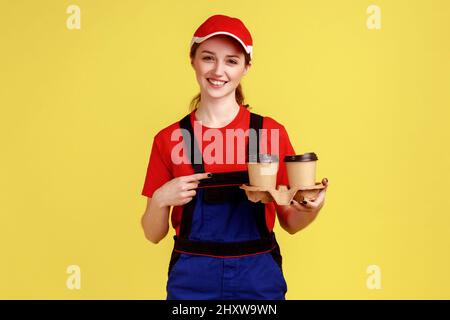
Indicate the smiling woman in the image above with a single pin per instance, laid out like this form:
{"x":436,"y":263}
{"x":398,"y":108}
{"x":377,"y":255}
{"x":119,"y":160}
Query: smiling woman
{"x":225,"y":247}
{"x":238,"y":58}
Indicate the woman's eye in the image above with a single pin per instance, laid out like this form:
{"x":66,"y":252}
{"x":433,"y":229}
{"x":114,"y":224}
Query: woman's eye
{"x":210,"y":58}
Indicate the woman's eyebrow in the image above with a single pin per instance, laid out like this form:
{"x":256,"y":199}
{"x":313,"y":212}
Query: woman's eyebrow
{"x":206,"y":51}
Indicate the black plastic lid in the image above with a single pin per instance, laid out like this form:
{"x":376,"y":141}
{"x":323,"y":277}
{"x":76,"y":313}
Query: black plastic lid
{"x":264,"y":158}
{"x":309,"y":156}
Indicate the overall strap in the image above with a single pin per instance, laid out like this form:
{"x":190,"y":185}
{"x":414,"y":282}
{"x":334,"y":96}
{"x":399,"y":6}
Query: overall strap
{"x":193,"y":152}
{"x":256,"y":123}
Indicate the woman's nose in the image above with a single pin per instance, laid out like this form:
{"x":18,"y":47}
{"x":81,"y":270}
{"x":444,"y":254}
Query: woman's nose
{"x":218,"y":69}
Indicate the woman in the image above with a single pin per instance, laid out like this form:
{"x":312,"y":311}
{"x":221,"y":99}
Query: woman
{"x":224,"y":247}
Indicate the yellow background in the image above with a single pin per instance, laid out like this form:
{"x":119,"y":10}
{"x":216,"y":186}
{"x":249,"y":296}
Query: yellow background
{"x":79,"y":109}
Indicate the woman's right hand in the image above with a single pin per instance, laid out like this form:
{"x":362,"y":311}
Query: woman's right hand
{"x":179,"y":190}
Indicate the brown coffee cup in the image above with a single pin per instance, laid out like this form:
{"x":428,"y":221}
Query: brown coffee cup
{"x":262,"y":171}
{"x":301,"y":169}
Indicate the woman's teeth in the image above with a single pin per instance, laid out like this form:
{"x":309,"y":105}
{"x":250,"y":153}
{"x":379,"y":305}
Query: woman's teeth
{"x":216,"y":83}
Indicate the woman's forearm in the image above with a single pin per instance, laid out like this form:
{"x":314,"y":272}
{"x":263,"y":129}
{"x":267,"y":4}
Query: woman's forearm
{"x":155,"y":220}
{"x":295,"y":221}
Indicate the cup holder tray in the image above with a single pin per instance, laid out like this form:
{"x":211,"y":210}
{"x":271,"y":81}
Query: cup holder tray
{"x":281,"y":195}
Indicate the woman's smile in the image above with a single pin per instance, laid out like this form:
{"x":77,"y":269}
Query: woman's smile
{"x":216,"y":83}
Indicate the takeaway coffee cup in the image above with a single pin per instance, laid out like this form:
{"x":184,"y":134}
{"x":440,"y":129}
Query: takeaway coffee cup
{"x":262,"y":172}
{"x":301,"y":169}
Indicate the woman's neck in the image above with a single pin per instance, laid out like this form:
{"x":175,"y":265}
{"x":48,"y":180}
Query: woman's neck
{"x":216,"y":115}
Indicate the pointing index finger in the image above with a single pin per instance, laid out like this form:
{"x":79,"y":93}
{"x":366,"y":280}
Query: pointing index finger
{"x":198,"y":176}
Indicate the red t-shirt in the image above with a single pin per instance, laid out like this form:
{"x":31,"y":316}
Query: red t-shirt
{"x":161,"y":168}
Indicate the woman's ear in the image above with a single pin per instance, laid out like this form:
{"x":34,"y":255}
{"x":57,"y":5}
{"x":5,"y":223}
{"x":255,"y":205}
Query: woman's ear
{"x":247,"y":67}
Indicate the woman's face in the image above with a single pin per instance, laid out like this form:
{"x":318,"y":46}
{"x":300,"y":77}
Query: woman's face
{"x":219,"y":58}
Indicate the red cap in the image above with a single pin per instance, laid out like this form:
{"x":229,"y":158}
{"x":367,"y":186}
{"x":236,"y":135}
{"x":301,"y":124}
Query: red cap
{"x":221,"y":24}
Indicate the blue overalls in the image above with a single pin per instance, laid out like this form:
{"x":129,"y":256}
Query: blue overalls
{"x":224,"y":249}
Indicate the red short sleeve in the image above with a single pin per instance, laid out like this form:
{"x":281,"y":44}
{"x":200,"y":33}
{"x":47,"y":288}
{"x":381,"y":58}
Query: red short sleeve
{"x":158,"y":170}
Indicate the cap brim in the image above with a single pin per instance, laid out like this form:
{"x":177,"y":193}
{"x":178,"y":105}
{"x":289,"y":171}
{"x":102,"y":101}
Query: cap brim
{"x":248,"y":49}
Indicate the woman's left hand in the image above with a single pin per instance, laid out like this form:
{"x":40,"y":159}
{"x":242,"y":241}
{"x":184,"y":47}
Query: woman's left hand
{"x":314,"y":205}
